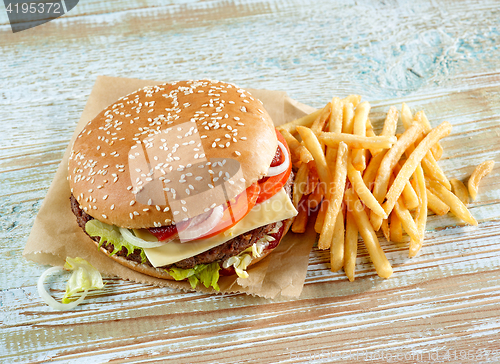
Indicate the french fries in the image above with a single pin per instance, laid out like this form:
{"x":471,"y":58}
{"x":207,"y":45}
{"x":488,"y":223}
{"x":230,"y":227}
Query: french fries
{"x":459,"y":189}
{"x":387,"y":165}
{"x":334,"y":195}
{"x":421,"y":212}
{"x":359,"y":182}
{"x":436,"y":205}
{"x":456,"y":206}
{"x":479,"y":172}
{"x":382,"y":265}
{"x":362,"y":191}
{"x":412,"y":162}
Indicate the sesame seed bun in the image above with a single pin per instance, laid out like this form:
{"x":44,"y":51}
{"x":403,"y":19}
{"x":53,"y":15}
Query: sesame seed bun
{"x":160,"y":154}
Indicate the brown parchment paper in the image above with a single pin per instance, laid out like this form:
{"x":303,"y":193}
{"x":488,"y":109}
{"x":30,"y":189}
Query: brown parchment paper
{"x":55,"y":234}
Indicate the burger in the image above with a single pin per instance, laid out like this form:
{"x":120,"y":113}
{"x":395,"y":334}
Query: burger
{"x":185,"y":180}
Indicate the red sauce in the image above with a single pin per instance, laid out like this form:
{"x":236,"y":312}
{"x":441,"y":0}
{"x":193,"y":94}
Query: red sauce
{"x":278,"y":158}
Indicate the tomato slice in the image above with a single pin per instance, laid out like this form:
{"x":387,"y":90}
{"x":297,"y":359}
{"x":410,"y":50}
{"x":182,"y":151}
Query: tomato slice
{"x":269,"y":186}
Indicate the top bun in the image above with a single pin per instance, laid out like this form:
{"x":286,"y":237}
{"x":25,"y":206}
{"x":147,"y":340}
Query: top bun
{"x":169,"y":152}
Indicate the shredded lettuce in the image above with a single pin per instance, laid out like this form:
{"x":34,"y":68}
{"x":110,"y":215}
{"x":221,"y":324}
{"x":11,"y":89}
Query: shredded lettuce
{"x":207,"y":274}
{"x":84,"y":277}
{"x":111,"y":234}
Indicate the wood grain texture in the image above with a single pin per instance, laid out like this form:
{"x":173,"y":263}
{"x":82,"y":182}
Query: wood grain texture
{"x":440,"y":56}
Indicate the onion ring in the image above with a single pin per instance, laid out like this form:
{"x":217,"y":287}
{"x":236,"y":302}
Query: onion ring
{"x":49,"y":299}
{"x":197,"y":229}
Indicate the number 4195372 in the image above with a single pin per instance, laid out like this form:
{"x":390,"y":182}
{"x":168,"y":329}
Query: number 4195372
{"x":32,"y":8}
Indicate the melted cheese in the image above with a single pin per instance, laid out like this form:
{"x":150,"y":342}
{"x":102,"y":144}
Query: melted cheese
{"x":277,"y":208}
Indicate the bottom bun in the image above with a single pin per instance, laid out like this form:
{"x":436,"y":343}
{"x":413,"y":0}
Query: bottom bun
{"x":162,"y":272}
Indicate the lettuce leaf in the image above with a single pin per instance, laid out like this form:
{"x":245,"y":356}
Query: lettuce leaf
{"x":207,"y":274}
{"x":84,"y":277}
{"x":111,"y":234}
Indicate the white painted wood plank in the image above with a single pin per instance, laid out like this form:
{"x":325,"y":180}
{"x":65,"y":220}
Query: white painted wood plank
{"x":441,"y":56}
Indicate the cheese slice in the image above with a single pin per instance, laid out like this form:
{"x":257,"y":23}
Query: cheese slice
{"x":277,"y":208}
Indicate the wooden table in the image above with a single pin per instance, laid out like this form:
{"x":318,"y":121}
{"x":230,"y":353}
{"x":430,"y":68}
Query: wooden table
{"x":438,"y":55}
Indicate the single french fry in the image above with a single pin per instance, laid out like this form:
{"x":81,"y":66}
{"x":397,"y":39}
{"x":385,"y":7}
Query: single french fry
{"x":314,"y":146}
{"x":479,"y":172}
{"x":306,"y":121}
{"x":300,"y":222}
{"x":456,"y":206}
{"x":420,"y":213}
{"x":370,"y":172}
{"x":336,"y":116}
{"x":436,"y":205}
{"x":348,"y":118}
{"x":382,"y":265}
{"x":320,"y":217}
{"x":357,"y":141}
{"x":412,"y":162}
{"x":319,"y":123}
{"x":406,"y":116}
{"x":312,"y":178}
{"x":433,"y":171}
{"x":362,"y":191}
{"x":334,"y":196}
{"x":437,"y":149}
{"x":334,"y":126}
{"x":359,"y":128}
{"x":390,"y":126}
{"x":390,"y":122}
{"x":351,"y":246}
{"x":300,"y":184}
{"x":390,"y":160}
{"x":459,"y":189}
{"x":406,"y":220}
{"x":337,"y":245}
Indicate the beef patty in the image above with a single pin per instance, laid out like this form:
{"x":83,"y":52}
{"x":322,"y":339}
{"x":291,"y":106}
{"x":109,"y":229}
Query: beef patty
{"x":221,"y":252}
